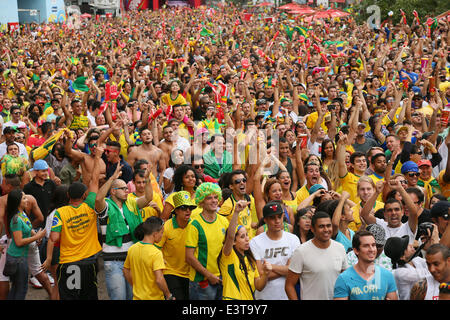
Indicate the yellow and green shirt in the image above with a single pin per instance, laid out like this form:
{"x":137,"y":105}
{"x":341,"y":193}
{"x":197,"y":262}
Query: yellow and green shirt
{"x":207,"y":239}
{"x":235,"y":285}
{"x":78,"y":229}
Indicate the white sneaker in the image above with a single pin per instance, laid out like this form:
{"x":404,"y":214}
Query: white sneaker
{"x":35,"y":283}
{"x":52,"y":281}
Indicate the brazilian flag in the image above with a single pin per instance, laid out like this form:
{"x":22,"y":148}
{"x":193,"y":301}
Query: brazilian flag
{"x":42,"y":151}
{"x":79,"y":85}
{"x":206,"y":33}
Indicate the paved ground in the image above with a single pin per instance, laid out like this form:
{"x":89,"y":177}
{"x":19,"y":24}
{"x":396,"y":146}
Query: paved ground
{"x":41,"y":294}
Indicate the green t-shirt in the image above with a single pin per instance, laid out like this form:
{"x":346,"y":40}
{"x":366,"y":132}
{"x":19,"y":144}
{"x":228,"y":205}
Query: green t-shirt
{"x":19,"y":222}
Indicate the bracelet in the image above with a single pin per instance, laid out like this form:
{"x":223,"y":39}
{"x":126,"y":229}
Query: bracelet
{"x":170,"y":297}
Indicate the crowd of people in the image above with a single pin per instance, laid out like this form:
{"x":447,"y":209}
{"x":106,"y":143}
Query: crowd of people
{"x":200,"y":154}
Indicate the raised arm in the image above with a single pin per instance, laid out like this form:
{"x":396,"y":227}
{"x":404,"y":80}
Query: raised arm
{"x":100,"y":202}
{"x":365,"y":212}
{"x":148,"y":196}
{"x":231,"y":231}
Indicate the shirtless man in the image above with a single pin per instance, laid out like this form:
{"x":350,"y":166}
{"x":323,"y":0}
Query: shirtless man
{"x":36,"y":217}
{"x":154,"y":155}
{"x":86,"y":160}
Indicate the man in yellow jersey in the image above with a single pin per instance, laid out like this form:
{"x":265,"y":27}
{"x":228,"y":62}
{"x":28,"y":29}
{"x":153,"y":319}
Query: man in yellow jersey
{"x":349,"y":180}
{"x":204,"y":240}
{"x":247,"y":217}
{"x":75,"y":228}
{"x":155,"y":207}
{"x":312,"y":177}
{"x":379,"y":167}
{"x":172,"y":246}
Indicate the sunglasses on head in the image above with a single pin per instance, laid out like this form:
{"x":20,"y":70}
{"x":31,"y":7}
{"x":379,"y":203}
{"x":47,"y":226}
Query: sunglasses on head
{"x":237,"y":181}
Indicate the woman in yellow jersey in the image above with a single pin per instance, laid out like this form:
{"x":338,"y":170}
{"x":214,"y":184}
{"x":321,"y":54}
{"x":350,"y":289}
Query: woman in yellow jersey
{"x":143,"y":267}
{"x":185,"y":179}
{"x":173,"y":97}
{"x":240,"y":275}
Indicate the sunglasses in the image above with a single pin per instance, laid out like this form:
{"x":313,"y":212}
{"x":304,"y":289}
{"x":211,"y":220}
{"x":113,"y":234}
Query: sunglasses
{"x":237,"y":181}
{"x":418,"y":152}
{"x":121,"y":188}
{"x":91,"y":145}
{"x":199,"y":166}
{"x":404,"y":182}
{"x":413,"y":174}
{"x":184,"y":207}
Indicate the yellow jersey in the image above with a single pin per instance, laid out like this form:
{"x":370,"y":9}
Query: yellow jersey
{"x":173,"y":249}
{"x":207,"y":239}
{"x":349,"y":183}
{"x":302,"y":194}
{"x":246,"y":216}
{"x":78,"y":230}
{"x":143,"y":259}
{"x":234,"y":280}
{"x":356,"y":223}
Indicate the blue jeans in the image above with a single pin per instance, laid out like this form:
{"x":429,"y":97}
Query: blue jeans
{"x":117,"y":286}
{"x":211,"y":292}
{"x":19,"y":281}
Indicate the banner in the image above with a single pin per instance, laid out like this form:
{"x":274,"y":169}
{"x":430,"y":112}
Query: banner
{"x":136,"y":4}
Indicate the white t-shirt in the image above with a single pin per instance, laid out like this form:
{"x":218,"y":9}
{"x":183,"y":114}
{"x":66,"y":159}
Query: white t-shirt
{"x":318,"y":269}
{"x":401,"y":231}
{"x":407,"y":276}
{"x":275,"y":252}
{"x":19,"y":124}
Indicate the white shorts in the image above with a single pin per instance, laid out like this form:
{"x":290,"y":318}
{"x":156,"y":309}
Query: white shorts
{"x":4,"y":243}
{"x":34,"y":259}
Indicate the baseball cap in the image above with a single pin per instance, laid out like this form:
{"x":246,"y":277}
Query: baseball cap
{"x":272,"y":208}
{"x":440,"y":209}
{"x":322,"y":99}
{"x":395,"y":247}
{"x":39,"y":165}
{"x":409,"y":166}
{"x":378,"y":233}
{"x":183,"y":198}
{"x":424,"y":163}
{"x":361,"y":124}
{"x":315,"y":187}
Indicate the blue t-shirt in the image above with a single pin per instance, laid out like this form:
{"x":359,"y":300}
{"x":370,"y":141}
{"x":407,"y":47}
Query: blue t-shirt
{"x":350,"y":284}
{"x":346,"y":242}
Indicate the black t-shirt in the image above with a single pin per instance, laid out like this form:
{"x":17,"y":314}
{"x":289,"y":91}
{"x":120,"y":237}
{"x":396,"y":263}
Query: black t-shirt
{"x":43,"y":195}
